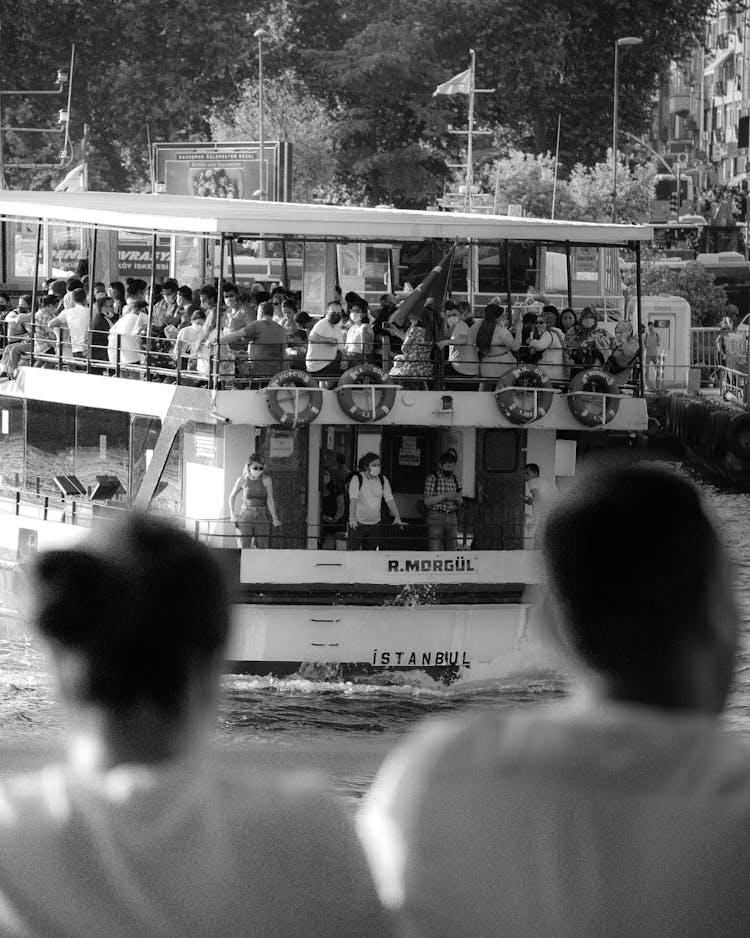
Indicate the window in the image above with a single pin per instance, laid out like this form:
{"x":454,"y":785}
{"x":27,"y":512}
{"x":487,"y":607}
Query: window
{"x":50,"y":444}
{"x":101,"y":445}
{"x":12,"y":442}
{"x":500,"y":451}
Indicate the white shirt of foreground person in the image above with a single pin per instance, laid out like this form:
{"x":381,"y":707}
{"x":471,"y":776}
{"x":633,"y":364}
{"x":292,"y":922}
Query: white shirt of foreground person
{"x":584,"y":819}
{"x":180,"y":849}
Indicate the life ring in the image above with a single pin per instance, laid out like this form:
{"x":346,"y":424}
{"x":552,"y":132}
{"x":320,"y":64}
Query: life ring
{"x":518,"y":406}
{"x":738,"y":436}
{"x":597,"y":381}
{"x":383,"y":398}
{"x":295,"y":417}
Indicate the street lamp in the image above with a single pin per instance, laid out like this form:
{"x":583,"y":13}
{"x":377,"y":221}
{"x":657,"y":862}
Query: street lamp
{"x":260,"y":35}
{"x":622,"y":41}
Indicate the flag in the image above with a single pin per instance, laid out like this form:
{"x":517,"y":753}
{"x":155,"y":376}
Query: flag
{"x":459,"y":84}
{"x":434,"y":285}
{"x":73,"y":182}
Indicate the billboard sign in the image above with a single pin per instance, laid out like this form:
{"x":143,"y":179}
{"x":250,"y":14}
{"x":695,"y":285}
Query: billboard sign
{"x":224,"y":170}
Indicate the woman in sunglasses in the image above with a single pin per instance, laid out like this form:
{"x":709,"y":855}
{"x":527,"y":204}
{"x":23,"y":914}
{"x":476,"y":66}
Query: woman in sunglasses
{"x":258,"y":510}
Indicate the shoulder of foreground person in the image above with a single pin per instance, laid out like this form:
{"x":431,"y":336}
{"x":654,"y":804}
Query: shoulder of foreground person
{"x":276,"y":846}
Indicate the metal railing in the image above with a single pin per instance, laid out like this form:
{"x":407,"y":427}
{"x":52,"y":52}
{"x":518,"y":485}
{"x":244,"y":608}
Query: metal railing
{"x":218,"y":367}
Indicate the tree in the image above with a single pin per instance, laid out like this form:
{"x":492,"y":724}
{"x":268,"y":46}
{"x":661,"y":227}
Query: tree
{"x":583,"y":195}
{"x":290,"y":113}
{"x":589,"y":192}
{"x":707,"y":299}
{"x":559,"y":61}
{"x":387,"y":127}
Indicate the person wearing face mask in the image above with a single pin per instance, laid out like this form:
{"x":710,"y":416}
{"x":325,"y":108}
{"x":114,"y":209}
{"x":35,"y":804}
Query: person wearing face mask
{"x":359,"y":337}
{"x":325,"y":345}
{"x":367,"y":492}
{"x":258,"y":510}
{"x":442,"y":499}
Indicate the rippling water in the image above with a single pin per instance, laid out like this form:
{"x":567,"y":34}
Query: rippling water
{"x":343,"y":729}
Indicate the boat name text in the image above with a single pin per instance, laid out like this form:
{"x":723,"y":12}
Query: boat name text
{"x":419,"y":658}
{"x":434,"y":565}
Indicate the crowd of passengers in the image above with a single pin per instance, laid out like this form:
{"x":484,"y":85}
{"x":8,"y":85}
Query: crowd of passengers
{"x":253,"y":335}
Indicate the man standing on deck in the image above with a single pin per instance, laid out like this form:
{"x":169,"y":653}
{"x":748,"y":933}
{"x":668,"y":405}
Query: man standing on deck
{"x":622,"y":811}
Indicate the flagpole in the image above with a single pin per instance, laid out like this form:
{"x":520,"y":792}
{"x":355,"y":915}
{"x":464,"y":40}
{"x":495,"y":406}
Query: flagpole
{"x":469,"y":154}
{"x":557,"y":154}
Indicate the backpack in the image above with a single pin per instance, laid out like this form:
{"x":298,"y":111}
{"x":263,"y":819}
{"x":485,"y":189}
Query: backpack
{"x":422,"y":508}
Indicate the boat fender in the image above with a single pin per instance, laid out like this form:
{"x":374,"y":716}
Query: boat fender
{"x":384,"y":397}
{"x":295,"y":417}
{"x":588,"y":410}
{"x":738,"y":436}
{"x":517,"y":406}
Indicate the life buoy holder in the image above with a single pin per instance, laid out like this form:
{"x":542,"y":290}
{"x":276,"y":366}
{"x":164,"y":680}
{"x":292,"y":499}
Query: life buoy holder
{"x":586,"y":397}
{"x":297,"y":416}
{"x":382,"y":395}
{"x":513,"y":397}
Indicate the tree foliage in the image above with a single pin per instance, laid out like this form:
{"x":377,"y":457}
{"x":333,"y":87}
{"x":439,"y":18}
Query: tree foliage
{"x":585,"y":194}
{"x":290,"y":113}
{"x":707,"y":299}
{"x":179,"y":67}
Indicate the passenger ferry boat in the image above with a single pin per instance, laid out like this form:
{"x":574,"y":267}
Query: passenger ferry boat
{"x":80,"y":443}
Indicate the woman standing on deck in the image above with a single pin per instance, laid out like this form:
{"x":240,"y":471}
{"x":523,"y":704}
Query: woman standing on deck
{"x":258,"y":510}
{"x":497,"y":346}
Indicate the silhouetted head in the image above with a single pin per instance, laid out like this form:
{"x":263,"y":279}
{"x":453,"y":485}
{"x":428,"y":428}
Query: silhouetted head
{"x":134,"y":616}
{"x":656,"y":621}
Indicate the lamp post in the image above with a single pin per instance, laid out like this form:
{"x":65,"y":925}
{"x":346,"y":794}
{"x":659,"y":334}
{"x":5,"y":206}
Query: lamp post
{"x":622,"y":41}
{"x":260,"y":35}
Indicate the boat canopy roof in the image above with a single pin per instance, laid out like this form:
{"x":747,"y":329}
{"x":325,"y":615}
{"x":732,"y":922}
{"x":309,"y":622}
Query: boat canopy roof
{"x":209,"y":217}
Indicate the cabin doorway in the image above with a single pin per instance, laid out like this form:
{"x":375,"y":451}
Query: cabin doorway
{"x":499,"y":518}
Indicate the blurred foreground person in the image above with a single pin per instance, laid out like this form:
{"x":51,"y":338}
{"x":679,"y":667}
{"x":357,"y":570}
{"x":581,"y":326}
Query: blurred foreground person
{"x":142,"y":831}
{"x":622,"y":811}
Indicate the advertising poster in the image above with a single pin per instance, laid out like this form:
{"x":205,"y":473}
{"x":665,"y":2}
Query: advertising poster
{"x":223,"y":170}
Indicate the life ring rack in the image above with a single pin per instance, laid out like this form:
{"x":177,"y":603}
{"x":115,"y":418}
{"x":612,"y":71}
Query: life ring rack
{"x":598,"y":384}
{"x":370,"y":378}
{"x":305,"y":385}
{"x":523,"y":380}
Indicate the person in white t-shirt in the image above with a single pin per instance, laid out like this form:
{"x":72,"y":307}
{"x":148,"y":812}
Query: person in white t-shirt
{"x":144,"y":829}
{"x":367,"y":491}
{"x":325,"y":344}
{"x":126,"y":328}
{"x":622,"y":811}
{"x":539,"y":496}
{"x":76,"y":320}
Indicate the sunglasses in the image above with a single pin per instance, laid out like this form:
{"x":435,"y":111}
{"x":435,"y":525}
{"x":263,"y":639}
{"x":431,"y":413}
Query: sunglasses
{"x":258,"y":468}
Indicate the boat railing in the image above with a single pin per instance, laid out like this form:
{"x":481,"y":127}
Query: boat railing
{"x":221,"y":368}
{"x":83,"y":511}
{"x":222,"y":533}
{"x":733,"y":385}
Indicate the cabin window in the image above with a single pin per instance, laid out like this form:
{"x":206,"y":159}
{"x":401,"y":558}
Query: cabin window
{"x":12,"y":443}
{"x":144,"y":434}
{"x":101,"y":446}
{"x":50,"y":445}
{"x":500,"y":451}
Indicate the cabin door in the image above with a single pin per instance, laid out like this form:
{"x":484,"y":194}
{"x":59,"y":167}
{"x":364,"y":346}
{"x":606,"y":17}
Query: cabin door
{"x":499,"y":515}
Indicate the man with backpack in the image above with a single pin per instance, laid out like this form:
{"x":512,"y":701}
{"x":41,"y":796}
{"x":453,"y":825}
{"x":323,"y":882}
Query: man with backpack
{"x":442,"y":499}
{"x":367,"y":492}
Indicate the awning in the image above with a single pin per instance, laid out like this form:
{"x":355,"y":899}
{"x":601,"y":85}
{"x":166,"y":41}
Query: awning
{"x":212,"y":217}
{"x":719,"y":60}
